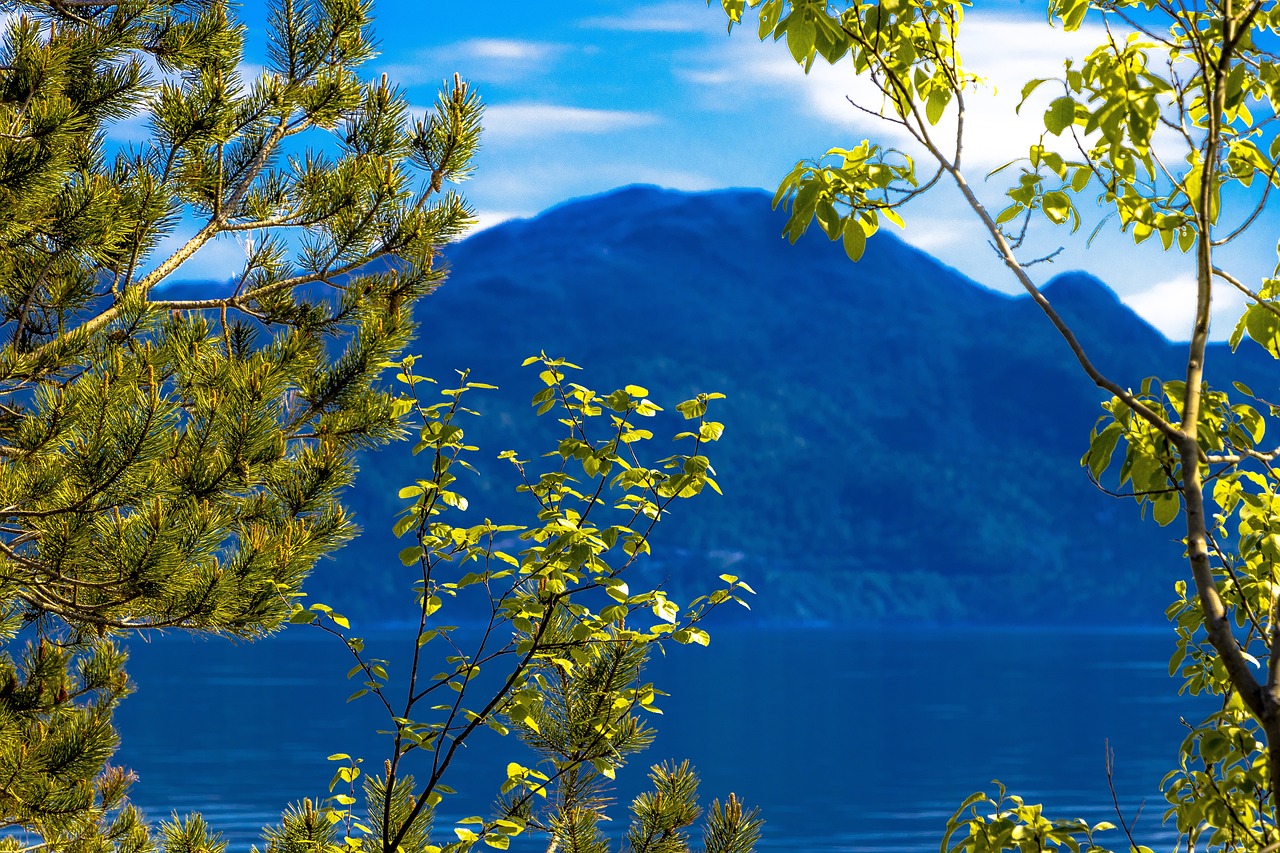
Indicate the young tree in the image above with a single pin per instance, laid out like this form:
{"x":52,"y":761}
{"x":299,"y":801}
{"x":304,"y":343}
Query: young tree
{"x":1167,"y":129}
{"x":561,"y":631}
{"x":177,"y":462}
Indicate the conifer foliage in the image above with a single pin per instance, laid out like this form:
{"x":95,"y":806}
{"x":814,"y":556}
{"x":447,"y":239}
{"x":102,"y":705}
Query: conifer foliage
{"x":177,"y":462}
{"x":584,"y":737}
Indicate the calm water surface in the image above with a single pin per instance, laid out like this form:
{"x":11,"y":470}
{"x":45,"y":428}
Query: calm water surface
{"x":849,"y":740}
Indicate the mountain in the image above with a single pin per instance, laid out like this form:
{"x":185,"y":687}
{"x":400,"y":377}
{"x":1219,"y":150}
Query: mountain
{"x":901,"y":443}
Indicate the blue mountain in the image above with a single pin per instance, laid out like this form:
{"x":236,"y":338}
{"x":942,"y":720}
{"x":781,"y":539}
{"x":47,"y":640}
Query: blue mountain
{"x":902,"y":443}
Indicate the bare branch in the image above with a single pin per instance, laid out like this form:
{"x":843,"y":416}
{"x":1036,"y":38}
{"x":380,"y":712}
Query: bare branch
{"x":1046,"y":259}
{"x":1240,"y":286}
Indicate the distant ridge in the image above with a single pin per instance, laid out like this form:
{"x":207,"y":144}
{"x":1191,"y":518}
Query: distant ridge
{"x":902,"y":443}
{"x":1093,"y":309}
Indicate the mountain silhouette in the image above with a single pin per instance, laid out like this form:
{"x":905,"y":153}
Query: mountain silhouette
{"x":901,"y":442}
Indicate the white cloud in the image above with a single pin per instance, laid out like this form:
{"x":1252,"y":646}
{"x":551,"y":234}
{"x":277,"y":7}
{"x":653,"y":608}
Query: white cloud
{"x":1170,"y":305}
{"x":488,"y":218}
{"x":522,"y":121}
{"x":492,"y":59}
{"x":659,"y":18}
{"x":507,"y":49}
{"x":1006,"y":51}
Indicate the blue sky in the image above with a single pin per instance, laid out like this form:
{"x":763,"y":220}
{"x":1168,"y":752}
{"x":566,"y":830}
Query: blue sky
{"x":590,"y":95}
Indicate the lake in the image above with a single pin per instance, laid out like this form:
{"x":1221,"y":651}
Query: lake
{"x":857,"y":740}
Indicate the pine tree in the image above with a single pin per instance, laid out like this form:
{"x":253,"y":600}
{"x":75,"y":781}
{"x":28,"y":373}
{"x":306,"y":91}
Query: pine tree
{"x":584,"y":729}
{"x":177,"y":463}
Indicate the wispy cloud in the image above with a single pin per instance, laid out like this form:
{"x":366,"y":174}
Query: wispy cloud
{"x":507,"y":50}
{"x":935,"y":234}
{"x":525,"y":189}
{"x":659,"y":18}
{"x":493,"y":59}
{"x":522,"y":121}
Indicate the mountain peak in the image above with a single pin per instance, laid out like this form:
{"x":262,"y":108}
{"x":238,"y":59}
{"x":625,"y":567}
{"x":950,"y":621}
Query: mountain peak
{"x":645,"y":198}
{"x":1090,"y":307}
{"x":1080,"y":287}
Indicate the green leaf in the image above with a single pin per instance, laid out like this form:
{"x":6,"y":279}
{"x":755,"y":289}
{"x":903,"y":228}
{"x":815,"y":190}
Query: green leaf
{"x":665,"y":610}
{"x":1165,"y":507}
{"x":733,"y":9}
{"x":1263,"y":327}
{"x":1009,"y":213}
{"x":1029,"y":87}
{"x":1060,"y":115}
{"x":697,"y":635}
{"x":1071,"y":12}
{"x":1102,"y":448}
{"x":405,"y":524}
{"x":801,"y":33}
{"x":831,"y":41}
{"x":1187,"y":237}
{"x":616,"y":588}
{"x":1251,"y":420}
{"x":711,"y":431}
{"x":691,"y":409}
{"x":936,"y":104}
{"x":855,"y":240}
{"x":1056,"y":206}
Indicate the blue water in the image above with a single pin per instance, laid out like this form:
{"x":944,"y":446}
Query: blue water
{"x":860,"y":740}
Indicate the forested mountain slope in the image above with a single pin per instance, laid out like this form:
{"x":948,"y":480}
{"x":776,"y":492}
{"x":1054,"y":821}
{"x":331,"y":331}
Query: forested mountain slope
{"x":901,"y":442}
